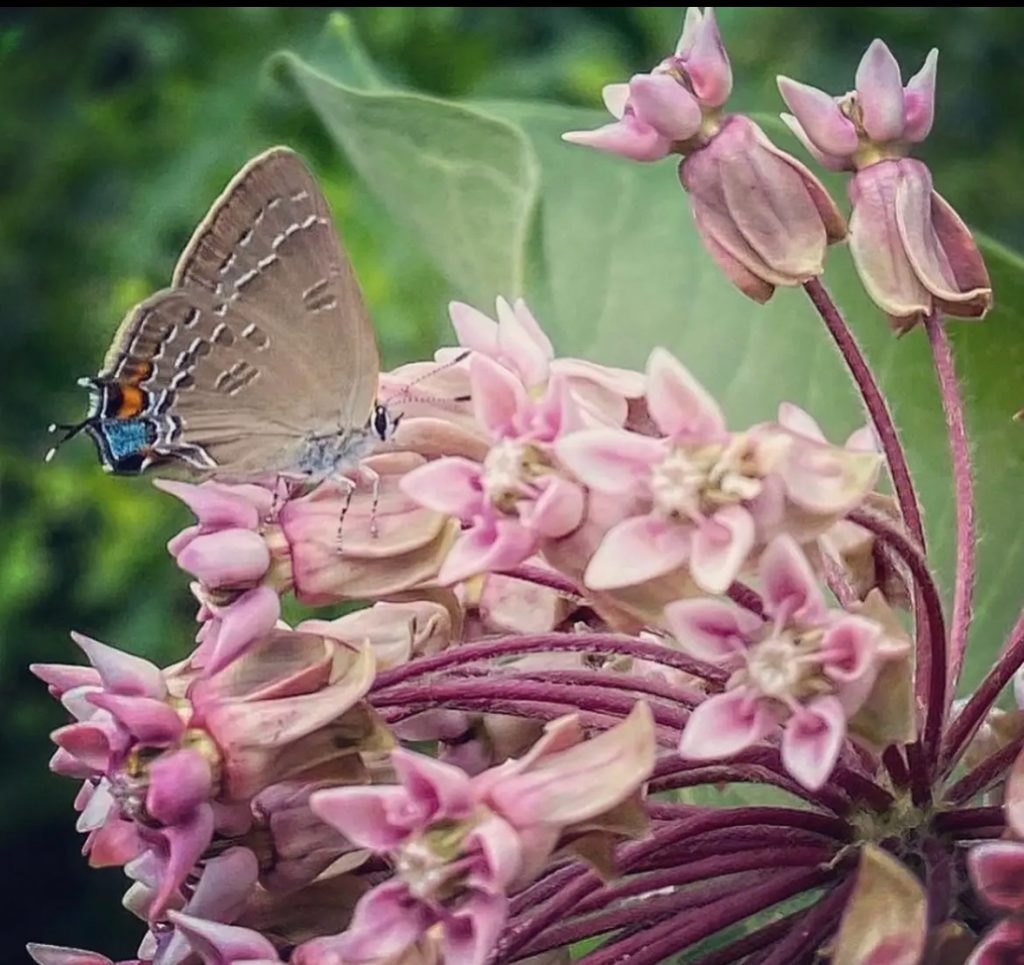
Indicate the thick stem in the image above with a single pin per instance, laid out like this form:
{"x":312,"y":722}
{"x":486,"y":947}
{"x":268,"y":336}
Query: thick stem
{"x":756,"y":941}
{"x":655,"y":945}
{"x":990,"y":770}
{"x":969,"y":819}
{"x":938,"y":877}
{"x":813,"y":930}
{"x":970,"y":718}
{"x":896,"y":766}
{"x":874,"y":402}
{"x":585,"y":922}
{"x":746,"y":597}
{"x":920,"y":776}
{"x":555,"y":643}
{"x":963,"y":483}
{"x":542,"y":576}
{"x":935,"y":693}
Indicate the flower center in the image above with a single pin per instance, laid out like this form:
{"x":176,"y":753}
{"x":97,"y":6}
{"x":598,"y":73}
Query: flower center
{"x":774,"y":666}
{"x":695,"y":480}
{"x":428,"y":862}
{"x":509,"y":469}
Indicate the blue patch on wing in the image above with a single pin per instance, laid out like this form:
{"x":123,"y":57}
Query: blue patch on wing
{"x":125,"y":437}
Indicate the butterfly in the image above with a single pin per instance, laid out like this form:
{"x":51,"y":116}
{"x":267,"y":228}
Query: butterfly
{"x":259,"y":360}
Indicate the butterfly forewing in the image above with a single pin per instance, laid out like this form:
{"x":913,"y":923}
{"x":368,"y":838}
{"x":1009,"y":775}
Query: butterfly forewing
{"x":269,"y":253}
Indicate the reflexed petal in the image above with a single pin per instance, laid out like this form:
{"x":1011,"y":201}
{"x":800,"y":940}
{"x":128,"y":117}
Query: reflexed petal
{"x":834,"y":162}
{"x":825,"y":479}
{"x":122,"y":673}
{"x":182,"y":846}
{"x":997,"y":872}
{"x":751,"y":284}
{"x":820,"y":118}
{"x":519,"y":347}
{"x":691,"y":24}
{"x":219,"y":944}
{"x":218,"y":507}
{"x":230,"y":557}
{"x":582,"y":781}
{"x":57,"y":955}
{"x":725,"y":724}
{"x":610,"y":460}
{"x":797,"y":420}
{"x":721,"y":545}
{"x":875,"y":244}
{"x":365,"y":815}
{"x":448,"y":485}
{"x":662,"y":102}
{"x":788,"y":583}
{"x":627,"y":138}
{"x":919,"y":99}
{"x":149,"y":721}
{"x":680,"y":405}
{"x":880,"y":93}
{"x":812,"y":741}
{"x":178,"y":784}
{"x":386,"y":921}
{"x":637,"y":550}
{"x":715,"y":630}
{"x":242,"y":623}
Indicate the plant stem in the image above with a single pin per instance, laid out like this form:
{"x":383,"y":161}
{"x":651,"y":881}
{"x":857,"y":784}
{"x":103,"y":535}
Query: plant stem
{"x":542,"y":576}
{"x":817,"y":924}
{"x":970,"y":718}
{"x":935,"y":693}
{"x":985,"y":774}
{"x":554,"y":643}
{"x":874,"y":402}
{"x":966,"y":538}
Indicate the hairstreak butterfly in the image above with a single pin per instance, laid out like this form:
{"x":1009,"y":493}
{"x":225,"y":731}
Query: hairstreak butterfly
{"x":260,"y":360}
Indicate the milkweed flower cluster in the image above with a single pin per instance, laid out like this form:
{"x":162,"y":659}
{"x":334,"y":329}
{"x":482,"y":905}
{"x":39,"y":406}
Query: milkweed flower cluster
{"x":583,"y":593}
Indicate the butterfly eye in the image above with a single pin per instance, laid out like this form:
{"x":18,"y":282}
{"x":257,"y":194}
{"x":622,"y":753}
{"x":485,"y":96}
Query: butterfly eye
{"x":382,"y":424}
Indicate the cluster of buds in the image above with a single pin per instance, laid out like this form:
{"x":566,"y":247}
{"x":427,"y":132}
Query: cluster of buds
{"x":590,"y":594}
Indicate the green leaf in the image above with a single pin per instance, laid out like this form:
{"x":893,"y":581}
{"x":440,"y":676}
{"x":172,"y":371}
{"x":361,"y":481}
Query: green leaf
{"x":464,"y":182}
{"x":616,"y":267}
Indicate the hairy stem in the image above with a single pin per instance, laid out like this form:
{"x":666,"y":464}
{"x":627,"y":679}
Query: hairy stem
{"x":963,"y":482}
{"x":542,"y":576}
{"x":990,"y":770}
{"x":815,"y":927}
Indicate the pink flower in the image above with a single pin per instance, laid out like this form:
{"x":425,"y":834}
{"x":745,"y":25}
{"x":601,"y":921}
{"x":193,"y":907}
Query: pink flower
{"x":912,"y":251}
{"x":516,"y":497}
{"x":805,"y":666}
{"x":57,"y":955}
{"x":764,"y":218}
{"x":712,"y":495}
{"x":458,"y":843}
{"x":177,"y":752}
{"x":517,"y":342}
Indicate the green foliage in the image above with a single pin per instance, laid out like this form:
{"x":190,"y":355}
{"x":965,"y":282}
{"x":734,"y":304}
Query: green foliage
{"x":118,"y":126}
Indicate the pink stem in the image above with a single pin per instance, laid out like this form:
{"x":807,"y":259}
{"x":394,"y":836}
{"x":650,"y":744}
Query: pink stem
{"x":912,"y":555}
{"x":966,"y":819}
{"x":756,"y":941}
{"x":966,"y":538}
{"x":592,"y":698}
{"x":541,"y":576}
{"x":653,"y":946}
{"x":874,"y":402}
{"x":744,"y":596}
{"x":896,"y":766}
{"x":554,"y":643}
{"x":970,"y":718}
{"x":697,"y":871}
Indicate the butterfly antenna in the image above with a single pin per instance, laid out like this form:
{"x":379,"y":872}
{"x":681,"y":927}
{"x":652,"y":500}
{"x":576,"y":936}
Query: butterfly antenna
{"x":405,"y":395}
{"x":70,"y":431}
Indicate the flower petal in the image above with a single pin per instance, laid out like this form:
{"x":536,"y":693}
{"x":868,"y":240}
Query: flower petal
{"x":448,"y":485}
{"x":662,"y":102}
{"x":365,"y":815}
{"x":227,"y":558}
{"x":610,"y":460}
{"x":721,"y":545}
{"x":725,"y":724}
{"x":919,"y":99}
{"x":615,"y":97}
{"x":557,"y":511}
{"x":499,"y":398}
{"x":637,"y":550}
{"x":997,"y":872}
{"x":216,"y":943}
{"x":790,"y":589}
{"x":518,"y":346}
{"x":714,"y":630}
{"x":440,"y":790}
{"x":680,"y":405}
{"x":627,"y":138}
{"x":707,"y":62}
{"x":242,"y":624}
{"x":493,"y":544}
{"x":820,"y":118}
{"x":880,"y":93}
{"x":1001,"y":946}
{"x":386,"y":921}
{"x":473,"y":328}
{"x":812,"y":741}
{"x":122,"y":673}
{"x":472,"y":929}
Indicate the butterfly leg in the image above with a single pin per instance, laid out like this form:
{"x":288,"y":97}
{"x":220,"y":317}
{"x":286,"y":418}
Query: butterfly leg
{"x":283,"y":491}
{"x":374,"y":477}
{"x":350,"y":487}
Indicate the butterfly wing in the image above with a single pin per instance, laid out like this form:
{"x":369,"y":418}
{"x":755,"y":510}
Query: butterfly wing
{"x":263,"y":341}
{"x":268,"y":247}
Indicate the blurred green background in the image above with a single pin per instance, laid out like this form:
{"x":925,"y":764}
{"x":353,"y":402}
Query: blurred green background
{"x":117,"y":129}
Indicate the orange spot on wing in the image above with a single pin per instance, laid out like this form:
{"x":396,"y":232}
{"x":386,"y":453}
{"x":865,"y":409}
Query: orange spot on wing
{"x":136,"y":372}
{"x":133,"y":401}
